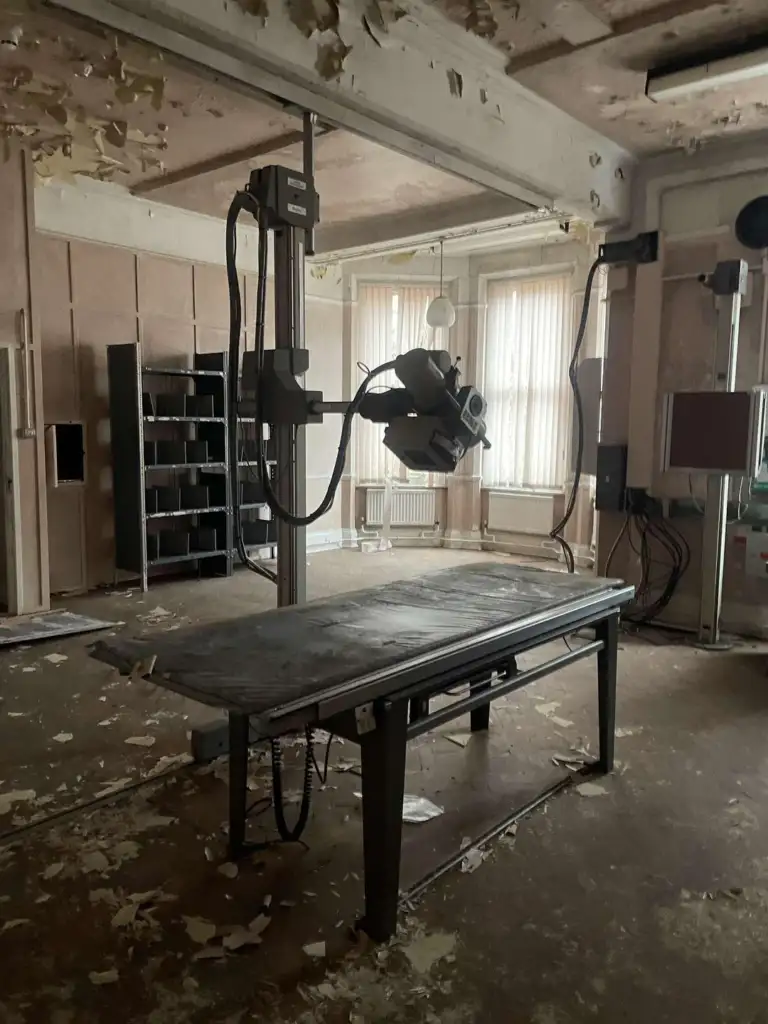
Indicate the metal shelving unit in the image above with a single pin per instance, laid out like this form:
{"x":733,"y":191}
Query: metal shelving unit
{"x":202,"y":533}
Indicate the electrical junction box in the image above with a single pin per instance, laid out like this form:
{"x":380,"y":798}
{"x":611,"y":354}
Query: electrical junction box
{"x":611,"y":478}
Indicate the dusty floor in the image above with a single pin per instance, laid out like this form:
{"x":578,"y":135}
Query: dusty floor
{"x":646,"y":902}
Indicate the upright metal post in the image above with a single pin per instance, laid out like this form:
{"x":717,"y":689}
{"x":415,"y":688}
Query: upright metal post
{"x":290,"y":442}
{"x":729,"y":284}
{"x":291,"y":246}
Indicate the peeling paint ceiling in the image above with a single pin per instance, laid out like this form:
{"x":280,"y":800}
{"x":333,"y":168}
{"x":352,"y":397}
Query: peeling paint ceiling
{"x":602,"y":83}
{"x":356,"y":179}
{"x":113,"y":110}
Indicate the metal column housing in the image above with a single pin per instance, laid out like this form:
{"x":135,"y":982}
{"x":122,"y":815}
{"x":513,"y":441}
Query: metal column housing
{"x":729,"y":299}
{"x":290,"y":440}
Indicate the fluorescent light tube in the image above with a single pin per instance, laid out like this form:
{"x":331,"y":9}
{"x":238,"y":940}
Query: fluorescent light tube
{"x":713,"y":75}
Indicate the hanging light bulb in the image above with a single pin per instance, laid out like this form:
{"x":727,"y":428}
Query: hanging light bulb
{"x":441,"y":312}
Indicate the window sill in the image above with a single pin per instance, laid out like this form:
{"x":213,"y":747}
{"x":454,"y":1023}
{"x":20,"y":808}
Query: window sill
{"x":526,"y":492}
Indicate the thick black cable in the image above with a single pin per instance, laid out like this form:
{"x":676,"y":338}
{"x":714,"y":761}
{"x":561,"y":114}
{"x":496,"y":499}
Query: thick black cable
{"x":323,"y":775}
{"x":557,"y":532}
{"x":346,"y":428}
{"x":241,"y":201}
{"x":291,"y":835}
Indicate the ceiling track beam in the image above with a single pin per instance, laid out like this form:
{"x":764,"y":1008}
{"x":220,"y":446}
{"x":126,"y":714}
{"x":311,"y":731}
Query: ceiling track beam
{"x":225,"y":160}
{"x":623,"y":27}
{"x":231,"y":65}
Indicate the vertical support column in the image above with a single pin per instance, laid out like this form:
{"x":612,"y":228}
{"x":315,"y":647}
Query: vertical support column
{"x":290,"y":444}
{"x":729,"y":287}
{"x":238,"y":781}
{"x":480,"y":718}
{"x":608,"y":632}
{"x":383,"y":762}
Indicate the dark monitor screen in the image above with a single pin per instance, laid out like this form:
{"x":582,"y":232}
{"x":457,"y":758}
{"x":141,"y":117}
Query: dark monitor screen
{"x":711,"y":431}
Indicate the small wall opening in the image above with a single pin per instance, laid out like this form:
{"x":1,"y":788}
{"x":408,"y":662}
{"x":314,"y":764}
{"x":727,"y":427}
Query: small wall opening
{"x":66,"y":453}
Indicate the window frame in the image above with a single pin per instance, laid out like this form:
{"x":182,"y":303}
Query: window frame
{"x":540,"y":273}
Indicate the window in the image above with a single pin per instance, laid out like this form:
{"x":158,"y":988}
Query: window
{"x":391,"y":319}
{"x":527,"y":351}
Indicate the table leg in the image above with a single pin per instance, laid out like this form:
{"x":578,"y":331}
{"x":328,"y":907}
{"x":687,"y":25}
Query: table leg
{"x":480,"y":718}
{"x":238,"y":780}
{"x":383,"y":763}
{"x":419,"y":708}
{"x":608,"y":632}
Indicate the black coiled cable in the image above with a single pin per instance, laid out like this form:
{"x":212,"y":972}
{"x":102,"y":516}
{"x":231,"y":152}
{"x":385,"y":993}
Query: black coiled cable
{"x":292,"y":835}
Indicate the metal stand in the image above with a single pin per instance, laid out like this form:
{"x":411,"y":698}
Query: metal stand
{"x":607,"y":632}
{"x":729,"y":284}
{"x":290,"y":482}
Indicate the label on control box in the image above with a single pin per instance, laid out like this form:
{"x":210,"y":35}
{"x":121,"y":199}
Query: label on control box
{"x":300,"y":211}
{"x":297,"y":183}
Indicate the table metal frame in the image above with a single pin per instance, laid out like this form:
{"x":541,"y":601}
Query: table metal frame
{"x":384,"y":710}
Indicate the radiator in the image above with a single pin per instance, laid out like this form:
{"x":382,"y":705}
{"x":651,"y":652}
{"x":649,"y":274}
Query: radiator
{"x":410,"y":507}
{"x":509,"y":512}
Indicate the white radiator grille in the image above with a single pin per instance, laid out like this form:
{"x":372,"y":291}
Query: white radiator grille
{"x":410,"y":507}
{"x":510,"y":512}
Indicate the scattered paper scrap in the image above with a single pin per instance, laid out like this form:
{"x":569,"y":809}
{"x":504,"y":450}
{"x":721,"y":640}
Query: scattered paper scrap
{"x":43,"y":897}
{"x":210,"y":953}
{"x":63,"y":737}
{"x":622,"y":733}
{"x":591,"y":789}
{"x":140,"y":741}
{"x":315,"y":949}
{"x":548,"y":709}
{"x":563,"y":723}
{"x":15,"y":923}
{"x":16,"y":796}
{"x":53,"y":870}
{"x":417,"y":809}
{"x":461,"y":739}
{"x":126,"y":915}
{"x":104,"y":977}
{"x":29,"y":668}
{"x":228,"y":869}
{"x":112,"y":787}
{"x":473,"y":858}
{"x":171,"y":761}
{"x":94,"y":861}
{"x":259,"y":924}
{"x":427,"y":950}
{"x":200,"y":930}
{"x":55,"y":659}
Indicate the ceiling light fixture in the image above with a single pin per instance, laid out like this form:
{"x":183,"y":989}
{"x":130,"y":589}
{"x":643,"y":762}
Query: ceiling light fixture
{"x":714,"y":74}
{"x":441,"y":311}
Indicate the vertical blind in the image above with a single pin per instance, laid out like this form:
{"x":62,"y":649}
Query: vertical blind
{"x":391,"y":319}
{"x":527,"y":351}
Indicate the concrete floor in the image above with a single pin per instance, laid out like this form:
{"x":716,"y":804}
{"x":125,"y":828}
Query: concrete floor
{"x":647,"y":901}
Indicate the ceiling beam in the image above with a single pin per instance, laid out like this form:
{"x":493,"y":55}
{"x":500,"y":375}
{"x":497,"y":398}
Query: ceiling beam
{"x":410,"y":227}
{"x":623,"y":27}
{"x":224,"y":160}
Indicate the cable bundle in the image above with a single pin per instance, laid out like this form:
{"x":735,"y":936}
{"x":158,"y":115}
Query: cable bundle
{"x":642,"y":531}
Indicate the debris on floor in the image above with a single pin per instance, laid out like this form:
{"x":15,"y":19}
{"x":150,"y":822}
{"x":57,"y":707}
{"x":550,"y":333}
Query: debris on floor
{"x":417,"y":809}
{"x":461,"y":739}
{"x":16,"y":796}
{"x":428,"y":949}
{"x":315,"y":949}
{"x":548,"y":710}
{"x":141,"y":741}
{"x":591,"y":789}
{"x":104,"y":977}
{"x":473,"y":858}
